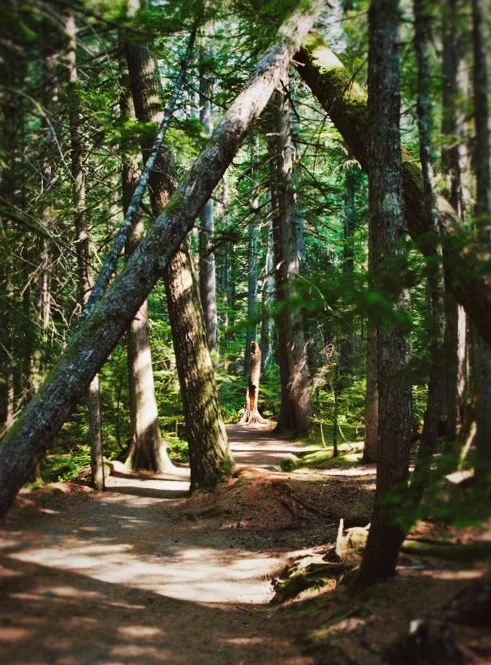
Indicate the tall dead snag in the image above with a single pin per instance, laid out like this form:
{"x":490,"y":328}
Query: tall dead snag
{"x":346,"y":103}
{"x":251,"y":412}
{"x":82,"y":239}
{"x":87,"y":350}
{"x":386,"y":228}
{"x":209,"y":452}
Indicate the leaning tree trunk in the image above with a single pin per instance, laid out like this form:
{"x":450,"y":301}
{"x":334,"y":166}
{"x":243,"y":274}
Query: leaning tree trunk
{"x":82,"y":239}
{"x":483,"y":224}
{"x":146,"y":450}
{"x":346,"y":104}
{"x":210,"y":457}
{"x":387,"y":228}
{"x":251,"y":411}
{"x":91,"y":344}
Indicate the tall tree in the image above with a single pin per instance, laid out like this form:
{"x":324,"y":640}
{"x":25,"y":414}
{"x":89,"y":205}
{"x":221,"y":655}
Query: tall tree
{"x":434,"y":271}
{"x":386,"y":226}
{"x":455,"y":318}
{"x":207,"y":267}
{"x":294,"y":417}
{"x":210,"y":456}
{"x":147,"y":450}
{"x":482,"y":165}
{"x":82,"y":235}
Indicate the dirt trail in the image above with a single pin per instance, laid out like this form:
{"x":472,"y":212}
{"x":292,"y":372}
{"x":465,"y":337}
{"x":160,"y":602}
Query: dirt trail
{"x":126,"y":577}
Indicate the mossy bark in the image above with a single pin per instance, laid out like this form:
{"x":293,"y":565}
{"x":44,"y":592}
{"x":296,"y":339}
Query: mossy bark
{"x":466,"y":263}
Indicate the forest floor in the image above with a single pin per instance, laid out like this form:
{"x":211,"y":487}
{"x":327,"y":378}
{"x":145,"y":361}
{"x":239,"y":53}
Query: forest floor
{"x":142,"y":574}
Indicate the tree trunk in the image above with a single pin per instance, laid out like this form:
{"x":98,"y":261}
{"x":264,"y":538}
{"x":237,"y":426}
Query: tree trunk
{"x":147,"y":450}
{"x":436,"y":382}
{"x":483,"y":224}
{"x":253,"y":233}
{"x":82,"y":237}
{"x":89,"y":347}
{"x":455,"y":318}
{"x":294,"y":417}
{"x":346,"y":103}
{"x":266,"y":302}
{"x":251,"y":411}
{"x":371,"y":395}
{"x":386,"y":228}
{"x":207,"y":268}
{"x":210,"y":456}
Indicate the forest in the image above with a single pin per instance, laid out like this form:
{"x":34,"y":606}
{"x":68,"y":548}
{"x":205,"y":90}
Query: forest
{"x":245,"y":340}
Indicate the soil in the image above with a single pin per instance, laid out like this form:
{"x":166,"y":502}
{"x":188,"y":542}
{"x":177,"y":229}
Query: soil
{"x":144,"y":574}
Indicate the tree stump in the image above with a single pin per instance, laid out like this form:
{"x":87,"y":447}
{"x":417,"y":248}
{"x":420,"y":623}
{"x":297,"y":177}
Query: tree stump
{"x":251,"y":413}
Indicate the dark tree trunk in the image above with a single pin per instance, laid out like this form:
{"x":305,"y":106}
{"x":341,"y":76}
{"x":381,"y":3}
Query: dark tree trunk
{"x":82,"y":238}
{"x":89,"y":347}
{"x":434,"y":271}
{"x":206,"y":439}
{"x":251,"y":411}
{"x":346,"y":103}
{"x":455,"y":318}
{"x":483,"y":224}
{"x":294,"y":417}
{"x":386,"y":228}
{"x":207,"y":268}
{"x":371,"y":396}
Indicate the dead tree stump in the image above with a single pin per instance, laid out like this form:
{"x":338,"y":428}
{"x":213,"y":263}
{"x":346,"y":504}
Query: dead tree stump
{"x":251,"y":413}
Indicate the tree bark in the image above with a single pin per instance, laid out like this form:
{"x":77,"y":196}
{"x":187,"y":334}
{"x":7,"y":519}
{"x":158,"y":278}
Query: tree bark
{"x":147,"y":450}
{"x":207,"y":267}
{"x":455,"y":318}
{"x":346,"y":103}
{"x":266,"y":302}
{"x":434,"y":271}
{"x":482,"y":164}
{"x":294,"y":417}
{"x":210,"y":457}
{"x":386,"y":228}
{"x":82,"y":238}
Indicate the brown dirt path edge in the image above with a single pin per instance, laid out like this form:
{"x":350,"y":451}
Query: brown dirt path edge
{"x":137,"y":575}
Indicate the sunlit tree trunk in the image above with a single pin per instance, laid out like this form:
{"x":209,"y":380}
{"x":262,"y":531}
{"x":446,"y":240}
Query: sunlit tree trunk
{"x":82,"y":238}
{"x":387,"y":229}
{"x":146,"y":450}
{"x":483,"y":224}
{"x":294,"y":417}
{"x":210,"y":456}
{"x":87,"y":350}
